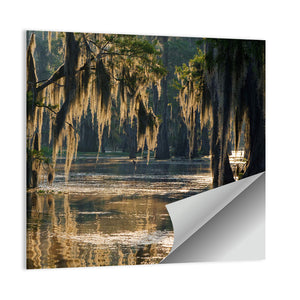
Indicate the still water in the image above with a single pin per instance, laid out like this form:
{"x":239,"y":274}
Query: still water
{"x":109,"y":213}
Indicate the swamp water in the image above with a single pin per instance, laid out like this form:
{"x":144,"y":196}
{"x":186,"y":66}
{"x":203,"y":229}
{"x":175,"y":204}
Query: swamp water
{"x":109,"y":213}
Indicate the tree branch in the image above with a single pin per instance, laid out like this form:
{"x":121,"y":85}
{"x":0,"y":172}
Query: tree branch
{"x":53,"y":111}
{"x":59,"y":73}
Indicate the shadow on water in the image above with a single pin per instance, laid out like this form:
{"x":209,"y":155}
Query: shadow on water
{"x":111,"y":214}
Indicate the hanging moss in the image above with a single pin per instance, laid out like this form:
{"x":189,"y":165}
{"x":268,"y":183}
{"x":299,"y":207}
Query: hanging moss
{"x":103,"y":87}
{"x":97,"y":69}
{"x":221,"y":82}
{"x":103,"y":96}
{"x":72,"y":51}
{"x":193,"y":95}
{"x":31,"y":93}
{"x":147,"y":126}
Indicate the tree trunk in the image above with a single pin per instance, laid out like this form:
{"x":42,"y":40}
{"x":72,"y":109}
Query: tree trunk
{"x":104,"y":139}
{"x":205,"y":147}
{"x":228,"y":174}
{"x":131,"y":131}
{"x":88,"y":136}
{"x":195,"y":152}
{"x":155,"y":98}
{"x":222,"y":172}
{"x":34,"y":166}
{"x":182,"y":143}
{"x":256,"y":115}
{"x":162,"y":150}
{"x":215,"y":145}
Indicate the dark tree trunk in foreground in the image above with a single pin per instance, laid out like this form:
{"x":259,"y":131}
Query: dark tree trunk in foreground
{"x":256,"y":115}
{"x":162,"y":150}
{"x":222,"y":172}
{"x":205,"y":147}
{"x":215,"y":146}
{"x":232,"y":73}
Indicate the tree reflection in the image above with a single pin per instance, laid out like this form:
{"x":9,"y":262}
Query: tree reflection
{"x":116,"y":232}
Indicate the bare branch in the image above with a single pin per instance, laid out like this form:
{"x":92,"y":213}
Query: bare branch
{"x":53,"y":111}
{"x":59,"y":73}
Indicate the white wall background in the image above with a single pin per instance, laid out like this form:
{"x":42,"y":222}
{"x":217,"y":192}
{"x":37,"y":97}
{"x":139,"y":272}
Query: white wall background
{"x":276,"y":277}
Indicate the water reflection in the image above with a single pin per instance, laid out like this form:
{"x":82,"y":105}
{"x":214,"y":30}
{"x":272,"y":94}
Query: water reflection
{"x":109,"y":214}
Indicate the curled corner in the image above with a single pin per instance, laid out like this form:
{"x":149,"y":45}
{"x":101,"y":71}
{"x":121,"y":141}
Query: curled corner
{"x":226,"y":223}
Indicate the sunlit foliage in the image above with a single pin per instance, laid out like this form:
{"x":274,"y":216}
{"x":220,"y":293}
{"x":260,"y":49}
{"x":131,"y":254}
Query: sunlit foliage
{"x":226,"y":82}
{"x":97,"y":70}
